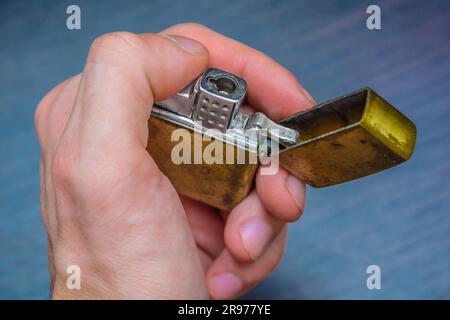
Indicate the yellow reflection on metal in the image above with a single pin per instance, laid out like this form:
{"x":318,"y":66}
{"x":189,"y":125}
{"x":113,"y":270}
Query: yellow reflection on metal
{"x":348,"y":138}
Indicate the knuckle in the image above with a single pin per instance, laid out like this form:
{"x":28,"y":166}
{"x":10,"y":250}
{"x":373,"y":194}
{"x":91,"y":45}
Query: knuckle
{"x":115,"y":43}
{"x":81,"y":176}
{"x":41,"y":112}
{"x":39,"y":116}
{"x":38,"y":113}
{"x":63,"y":167}
{"x":45,"y":107}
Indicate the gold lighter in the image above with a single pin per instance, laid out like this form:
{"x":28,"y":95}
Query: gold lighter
{"x":334,"y":142}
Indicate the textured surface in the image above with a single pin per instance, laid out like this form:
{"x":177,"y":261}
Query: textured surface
{"x":398,"y":219}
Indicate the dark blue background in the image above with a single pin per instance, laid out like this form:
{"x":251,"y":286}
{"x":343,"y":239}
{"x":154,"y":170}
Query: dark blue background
{"x":398,"y":219}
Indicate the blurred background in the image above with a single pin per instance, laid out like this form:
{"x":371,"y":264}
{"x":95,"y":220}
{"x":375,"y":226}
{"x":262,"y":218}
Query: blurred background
{"x":398,"y":219}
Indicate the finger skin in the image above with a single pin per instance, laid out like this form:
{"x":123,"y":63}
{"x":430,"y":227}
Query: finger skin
{"x":282,"y":194}
{"x":207,"y":226}
{"x":250,"y":229}
{"x":272,"y":89}
{"x":51,"y":117}
{"x":134,"y":72}
{"x":50,"y":121}
{"x":123,"y":75}
{"x":241,"y":276}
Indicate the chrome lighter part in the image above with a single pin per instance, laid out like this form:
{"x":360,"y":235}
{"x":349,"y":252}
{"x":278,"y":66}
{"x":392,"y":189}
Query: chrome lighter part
{"x":211,"y":105}
{"x":285,"y":136}
{"x":236,"y":134}
{"x":182,"y":102}
{"x":220,"y":95}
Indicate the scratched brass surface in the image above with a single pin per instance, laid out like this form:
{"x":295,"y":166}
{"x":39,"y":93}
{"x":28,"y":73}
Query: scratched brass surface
{"x":340,"y":140}
{"x":348,"y":138}
{"x":222,"y":186}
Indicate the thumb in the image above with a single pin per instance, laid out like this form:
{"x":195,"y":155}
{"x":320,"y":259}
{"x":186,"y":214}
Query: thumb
{"x":124,"y":74}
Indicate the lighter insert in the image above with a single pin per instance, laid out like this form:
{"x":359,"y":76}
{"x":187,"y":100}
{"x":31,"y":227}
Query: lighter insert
{"x":334,"y":142}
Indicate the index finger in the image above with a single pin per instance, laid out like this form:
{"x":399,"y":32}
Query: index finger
{"x":272,"y":89}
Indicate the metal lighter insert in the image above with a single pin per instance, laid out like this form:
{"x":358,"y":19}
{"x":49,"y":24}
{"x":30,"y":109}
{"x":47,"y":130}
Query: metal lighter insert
{"x":334,"y":142}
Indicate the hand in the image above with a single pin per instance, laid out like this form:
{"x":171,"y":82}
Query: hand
{"x":106,"y":206}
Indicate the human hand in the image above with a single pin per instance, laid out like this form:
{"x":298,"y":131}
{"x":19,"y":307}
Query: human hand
{"x":106,"y":206}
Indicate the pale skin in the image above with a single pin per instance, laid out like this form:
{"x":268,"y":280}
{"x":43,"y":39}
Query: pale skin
{"x":106,"y":206}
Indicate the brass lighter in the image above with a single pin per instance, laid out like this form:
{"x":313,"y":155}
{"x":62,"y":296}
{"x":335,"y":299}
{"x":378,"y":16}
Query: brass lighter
{"x":334,"y":142}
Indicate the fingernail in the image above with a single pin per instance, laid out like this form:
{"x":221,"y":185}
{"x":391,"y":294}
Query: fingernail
{"x":296,"y":188}
{"x":225,"y":286}
{"x":187,"y":44}
{"x":255,"y":235}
